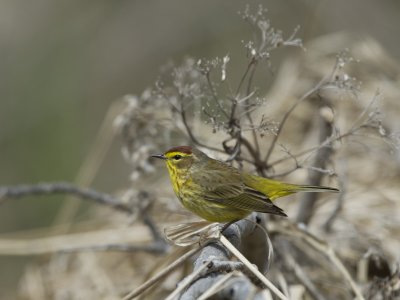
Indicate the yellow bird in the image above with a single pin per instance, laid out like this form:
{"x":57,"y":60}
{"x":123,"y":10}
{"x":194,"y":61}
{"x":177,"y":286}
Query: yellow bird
{"x":218,"y":192}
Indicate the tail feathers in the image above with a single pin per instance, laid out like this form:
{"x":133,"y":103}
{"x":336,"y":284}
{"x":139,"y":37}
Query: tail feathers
{"x":312,"y":188}
{"x":274,"y":210}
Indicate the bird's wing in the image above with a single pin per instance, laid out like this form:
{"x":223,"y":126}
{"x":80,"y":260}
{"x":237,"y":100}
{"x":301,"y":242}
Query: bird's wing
{"x":231,"y":191}
{"x":242,"y":197}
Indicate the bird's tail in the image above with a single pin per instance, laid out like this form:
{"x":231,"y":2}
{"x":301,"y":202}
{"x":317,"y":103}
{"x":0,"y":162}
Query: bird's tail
{"x":314,"y":188}
{"x":287,"y":189}
{"x":276,"y":189}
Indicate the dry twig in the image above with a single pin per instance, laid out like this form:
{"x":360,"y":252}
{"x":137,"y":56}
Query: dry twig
{"x":19,"y":191}
{"x":286,"y":228}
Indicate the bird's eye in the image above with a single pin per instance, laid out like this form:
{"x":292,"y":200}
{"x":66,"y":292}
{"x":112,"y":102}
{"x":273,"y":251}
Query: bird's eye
{"x":177,"y":157}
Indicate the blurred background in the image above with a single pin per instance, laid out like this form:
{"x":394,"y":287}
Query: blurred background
{"x":64,"y":63}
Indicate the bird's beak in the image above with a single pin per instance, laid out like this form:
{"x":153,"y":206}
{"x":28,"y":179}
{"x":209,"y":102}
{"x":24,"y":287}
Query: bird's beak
{"x":160,"y":156}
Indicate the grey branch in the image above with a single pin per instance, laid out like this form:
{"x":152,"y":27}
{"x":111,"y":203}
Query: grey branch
{"x":24,"y":190}
{"x":19,"y":191}
{"x":238,"y":287}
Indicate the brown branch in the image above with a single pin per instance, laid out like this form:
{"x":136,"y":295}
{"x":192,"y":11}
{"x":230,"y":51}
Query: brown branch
{"x":191,"y":135}
{"x":246,"y":72}
{"x":235,"y":99}
{"x":260,"y":165}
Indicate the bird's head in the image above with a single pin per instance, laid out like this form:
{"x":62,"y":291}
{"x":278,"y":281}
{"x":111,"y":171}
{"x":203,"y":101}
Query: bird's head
{"x":181,"y":157}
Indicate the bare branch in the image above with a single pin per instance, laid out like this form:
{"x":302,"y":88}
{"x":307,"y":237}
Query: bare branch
{"x":288,"y":113}
{"x":191,"y":135}
{"x":14,"y":192}
{"x":250,"y":66}
{"x":19,"y":191}
{"x":324,"y":81}
{"x":324,"y":144}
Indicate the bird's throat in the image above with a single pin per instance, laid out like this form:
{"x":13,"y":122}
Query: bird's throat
{"x":177,"y":176}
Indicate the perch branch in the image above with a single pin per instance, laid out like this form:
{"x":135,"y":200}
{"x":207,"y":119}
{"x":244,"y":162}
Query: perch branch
{"x":231,"y":241}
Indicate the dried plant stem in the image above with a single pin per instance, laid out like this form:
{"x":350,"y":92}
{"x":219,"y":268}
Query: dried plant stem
{"x":312,"y":91}
{"x":315,"y":148}
{"x":301,"y":275}
{"x":249,"y":67}
{"x":248,"y":113}
{"x":290,"y":229}
{"x":288,"y":113}
{"x":252,"y":268}
{"x":191,"y":135}
{"x":167,"y":270}
{"x":283,"y":283}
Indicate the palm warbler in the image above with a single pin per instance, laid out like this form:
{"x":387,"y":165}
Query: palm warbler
{"x":218,"y":192}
